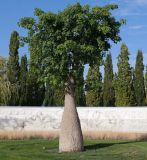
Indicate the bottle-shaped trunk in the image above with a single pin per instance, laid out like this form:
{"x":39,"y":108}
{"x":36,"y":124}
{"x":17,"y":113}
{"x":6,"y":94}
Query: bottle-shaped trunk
{"x":71,"y":138}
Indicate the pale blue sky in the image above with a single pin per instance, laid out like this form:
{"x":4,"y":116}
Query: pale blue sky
{"x":134,"y":34}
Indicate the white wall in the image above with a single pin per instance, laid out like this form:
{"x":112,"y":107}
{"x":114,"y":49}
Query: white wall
{"x":123,"y":119}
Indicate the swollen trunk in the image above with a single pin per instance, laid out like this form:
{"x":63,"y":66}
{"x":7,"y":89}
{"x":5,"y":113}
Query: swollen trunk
{"x":71,"y":139}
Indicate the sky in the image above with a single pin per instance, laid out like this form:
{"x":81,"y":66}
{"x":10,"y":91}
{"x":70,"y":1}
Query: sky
{"x":134,"y":33}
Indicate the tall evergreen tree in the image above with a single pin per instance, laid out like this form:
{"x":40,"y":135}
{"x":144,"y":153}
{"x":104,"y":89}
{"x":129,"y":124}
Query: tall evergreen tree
{"x":108,"y":88}
{"x":123,"y":79}
{"x":13,"y":61}
{"x":94,"y":95}
{"x":139,"y":79}
{"x":23,"y":81}
{"x":13,"y":68}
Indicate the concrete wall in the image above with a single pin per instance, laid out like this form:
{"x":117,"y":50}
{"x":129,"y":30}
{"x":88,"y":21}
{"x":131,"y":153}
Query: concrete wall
{"x":123,"y":119}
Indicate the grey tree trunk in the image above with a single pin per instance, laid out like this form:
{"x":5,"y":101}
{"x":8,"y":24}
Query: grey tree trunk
{"x":71,"y":138}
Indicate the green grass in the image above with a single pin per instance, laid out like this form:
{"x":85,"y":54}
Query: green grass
{"x":37,"y":149}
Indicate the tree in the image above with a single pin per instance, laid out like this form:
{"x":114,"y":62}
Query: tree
{"x":108,"y":89}
{"x":23,"y":81}
{"x":62,"y":43}
{"x":94,"y":95}
{"x":139,"y":80}
{"x":13,"y":61}
{"x":13,"y":68}
{"x":123,"y":79}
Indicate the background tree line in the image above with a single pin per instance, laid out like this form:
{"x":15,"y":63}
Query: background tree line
{"x":20,"y":81}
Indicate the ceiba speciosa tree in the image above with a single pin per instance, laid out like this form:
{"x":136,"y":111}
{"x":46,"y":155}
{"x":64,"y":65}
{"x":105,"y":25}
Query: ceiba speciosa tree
{"x":64,"y":42}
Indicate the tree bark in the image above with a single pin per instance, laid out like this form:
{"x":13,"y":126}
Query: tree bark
{"x":71,"y":138}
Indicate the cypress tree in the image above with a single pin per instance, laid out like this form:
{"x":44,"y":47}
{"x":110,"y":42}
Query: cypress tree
{"x":13,"y":68}
{"x":13,"y":62}
{"x":108,"y":90}
{"x":23,"y":81}
{"x":139,"y":79}
{"x":123,"y":79}
{"x":94,"y":95}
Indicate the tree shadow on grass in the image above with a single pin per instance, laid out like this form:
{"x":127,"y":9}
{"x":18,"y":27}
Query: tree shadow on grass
{"x":103,"y":145}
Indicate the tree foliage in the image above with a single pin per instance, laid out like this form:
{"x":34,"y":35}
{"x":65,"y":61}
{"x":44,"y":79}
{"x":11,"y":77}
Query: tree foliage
{"x":3,"y":67}
{"x":80,"y":90}
{"x":139,"y":79}
{"x":5,"y":92}
{"x":146,"y":84}
{"x":123,"y":79}
{"x":94,"y":94}
{"x":23,"y":81}
{"x":13,"y":68}
{"x":133,"y":96}
{"x":34,"y":91}
{"x":13,"y":61}
{"x":108,"y":88}
{"x":79,"y":32}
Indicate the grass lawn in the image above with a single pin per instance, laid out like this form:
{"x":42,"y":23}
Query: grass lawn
{"x":36,"y":149}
